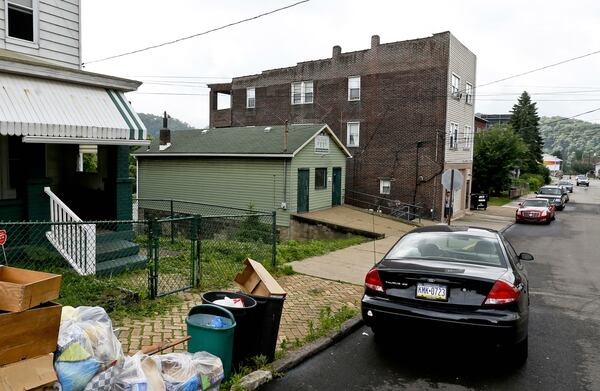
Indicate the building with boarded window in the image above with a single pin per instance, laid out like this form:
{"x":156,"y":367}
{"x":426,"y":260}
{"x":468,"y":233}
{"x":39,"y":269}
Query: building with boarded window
{"x":289,"y":169}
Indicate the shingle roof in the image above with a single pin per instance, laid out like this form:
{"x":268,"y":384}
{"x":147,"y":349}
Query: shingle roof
{"x":242,"y":141}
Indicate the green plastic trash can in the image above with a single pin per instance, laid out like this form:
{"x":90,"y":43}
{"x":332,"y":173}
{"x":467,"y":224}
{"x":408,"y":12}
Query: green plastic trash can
{"x":211,"y":328}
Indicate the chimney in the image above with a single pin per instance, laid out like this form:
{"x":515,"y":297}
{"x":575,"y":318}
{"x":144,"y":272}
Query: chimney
{"x":337,"y":50}
{"x":165,"y":133}
{"x":374,"y":41}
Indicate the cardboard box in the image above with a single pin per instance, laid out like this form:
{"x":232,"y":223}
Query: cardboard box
{"x":22,"y":289}
{"x":30,"y":333}
{"x":256,"y":280}
{"x":28,"y":374}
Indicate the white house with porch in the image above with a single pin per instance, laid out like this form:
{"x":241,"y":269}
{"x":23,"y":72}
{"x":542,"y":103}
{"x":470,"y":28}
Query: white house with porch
{"x":50,"y":112}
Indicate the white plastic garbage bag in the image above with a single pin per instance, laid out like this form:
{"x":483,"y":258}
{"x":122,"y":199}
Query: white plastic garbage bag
{"x":191,"y":371}
{"x":229,"y":302}
{"x":87,"y":346}
{"x":140,"y":373}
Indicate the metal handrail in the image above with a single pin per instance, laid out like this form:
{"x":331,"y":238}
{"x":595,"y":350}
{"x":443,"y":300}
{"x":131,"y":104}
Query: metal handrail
{"x":391,"y":207}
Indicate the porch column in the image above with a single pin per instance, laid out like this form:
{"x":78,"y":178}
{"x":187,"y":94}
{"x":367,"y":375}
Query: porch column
{"x":38,"y":203}
{"x":123,"y":186}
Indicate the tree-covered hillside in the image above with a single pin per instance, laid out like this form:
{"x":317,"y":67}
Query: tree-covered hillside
{"x":570,"y":136}
{"x":154,"y":122}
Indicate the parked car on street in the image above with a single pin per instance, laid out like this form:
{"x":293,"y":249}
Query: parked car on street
{"x":535,"y":210}
{"x":565,"y":192}
{"x":554,"y":194}
{"x":582,"y":180}
{"x":567,"y":184}
{"x":448,"y":280}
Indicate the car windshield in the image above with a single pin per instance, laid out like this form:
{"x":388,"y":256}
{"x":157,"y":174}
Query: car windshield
{"x":582,"y":177}
{"x":550,"y":190}
{"x":448,"y":246}
{"x":535,"y":203}
{"x":564,"y":183}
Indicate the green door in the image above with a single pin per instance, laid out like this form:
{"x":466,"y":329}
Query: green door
{"x":336,"y":195}
{"x":303,"y":187}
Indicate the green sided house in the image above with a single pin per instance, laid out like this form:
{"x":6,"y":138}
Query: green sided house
{"x":50,"y":116}
{"x":290,"y":169}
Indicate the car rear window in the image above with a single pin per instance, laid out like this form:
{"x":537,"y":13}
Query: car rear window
{"x":448,"y":246}
{"x":550,"y":191}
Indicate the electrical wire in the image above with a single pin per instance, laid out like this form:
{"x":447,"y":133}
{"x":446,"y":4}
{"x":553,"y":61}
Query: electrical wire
{"x":195,"y":35}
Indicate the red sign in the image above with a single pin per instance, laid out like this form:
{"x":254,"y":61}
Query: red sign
{"x":2,"y":237}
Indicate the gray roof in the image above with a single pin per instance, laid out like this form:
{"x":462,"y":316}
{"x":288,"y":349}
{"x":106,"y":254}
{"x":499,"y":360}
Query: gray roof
{"x":251,"y":141}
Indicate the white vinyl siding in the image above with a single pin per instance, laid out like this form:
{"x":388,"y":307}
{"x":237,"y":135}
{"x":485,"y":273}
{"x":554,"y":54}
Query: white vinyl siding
{"x":302,"y":92}
{"x":455,"y":91}
{"x":469,"y":93}
{"x":385,"y":186}
{"x":461,"y":62}
{"x":353,"y":134}
{"x":353,"y":88}
{"x":250,"y":98}
{"x":56,"y":32}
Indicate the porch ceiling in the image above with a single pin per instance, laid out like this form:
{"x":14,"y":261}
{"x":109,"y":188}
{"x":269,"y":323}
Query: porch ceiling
{"x":52,"y":111}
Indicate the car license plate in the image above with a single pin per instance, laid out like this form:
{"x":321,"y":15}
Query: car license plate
{"x":432,"y":291}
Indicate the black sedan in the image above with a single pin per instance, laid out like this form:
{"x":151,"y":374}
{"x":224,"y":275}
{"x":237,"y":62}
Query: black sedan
{"x":451,"y":281}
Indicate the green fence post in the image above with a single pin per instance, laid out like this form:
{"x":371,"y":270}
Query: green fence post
{"x":274,"y":239}
{"x":172,"y":215}
{"x":152,"y":272}
{"x":198,"y":252}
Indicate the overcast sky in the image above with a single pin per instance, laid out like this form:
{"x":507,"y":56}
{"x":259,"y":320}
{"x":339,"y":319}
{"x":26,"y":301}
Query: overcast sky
{"x":507,"y":36}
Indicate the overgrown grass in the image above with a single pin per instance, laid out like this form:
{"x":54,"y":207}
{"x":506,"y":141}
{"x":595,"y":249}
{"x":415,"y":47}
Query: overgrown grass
{"x":499,"y":201}
{"x":327,"y":322}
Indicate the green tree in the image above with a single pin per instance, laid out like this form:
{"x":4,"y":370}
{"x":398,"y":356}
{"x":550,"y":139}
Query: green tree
{"x":497,"y":152}
{"x":526,"y":123}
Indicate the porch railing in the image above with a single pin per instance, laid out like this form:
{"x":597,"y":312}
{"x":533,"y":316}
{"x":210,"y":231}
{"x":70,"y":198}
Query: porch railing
{"x":75,"y":242}
{"x":388,"y":206}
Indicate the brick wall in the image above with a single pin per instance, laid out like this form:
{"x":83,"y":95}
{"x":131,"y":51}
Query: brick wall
{"x":403,"y":102}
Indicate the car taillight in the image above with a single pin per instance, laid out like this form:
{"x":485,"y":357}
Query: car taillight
{"x":372,"y":281}
{"x":503,"y":292}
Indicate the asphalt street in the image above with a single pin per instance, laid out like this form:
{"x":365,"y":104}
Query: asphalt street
{"x":564,"y":329}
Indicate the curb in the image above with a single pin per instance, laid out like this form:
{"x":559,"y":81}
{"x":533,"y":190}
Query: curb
{"x":257,"y":378}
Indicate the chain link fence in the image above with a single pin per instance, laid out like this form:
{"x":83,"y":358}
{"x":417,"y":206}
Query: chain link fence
{"x":101,"y":261}
{"x":112,"y":263}
{"x":225,"y":237}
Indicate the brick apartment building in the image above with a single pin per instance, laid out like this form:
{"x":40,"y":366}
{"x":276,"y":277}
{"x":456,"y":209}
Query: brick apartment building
{"x":404,"y":110}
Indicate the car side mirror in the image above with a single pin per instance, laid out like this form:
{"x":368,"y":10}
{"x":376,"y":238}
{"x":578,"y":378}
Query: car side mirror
{"x":525,"y":257}
{"x":520,"y":204}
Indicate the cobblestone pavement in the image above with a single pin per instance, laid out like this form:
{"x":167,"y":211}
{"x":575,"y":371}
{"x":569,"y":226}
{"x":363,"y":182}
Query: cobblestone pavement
{"x":306,"y":296}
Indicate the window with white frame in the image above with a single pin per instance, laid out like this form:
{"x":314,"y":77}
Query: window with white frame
{"x":385,"y":186}
{"x":354,"y":88}
{"x":453,"y":135}
{"x":469,"y":93}
{"x":7,"y":167}
{"x":455,"y":85}
{"x":302,"y":92}
{"x":250,"y":98}
{"x":353,"y":134}
{"x":21,"y":19}
{"x":468,"y":137}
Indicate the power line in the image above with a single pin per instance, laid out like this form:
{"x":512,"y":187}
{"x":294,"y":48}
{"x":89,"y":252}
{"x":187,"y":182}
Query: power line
{"x":196,"y":35}
{"x":539,"y":69}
